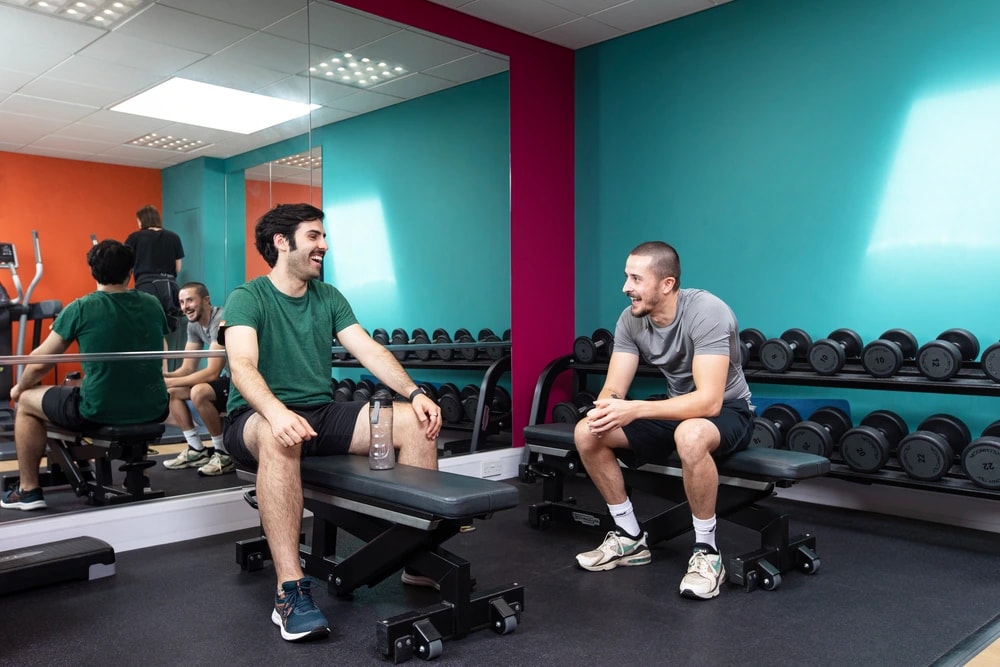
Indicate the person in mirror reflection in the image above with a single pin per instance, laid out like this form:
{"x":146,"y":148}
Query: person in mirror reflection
{"x":206,"y":386}
{"x":113,"y":318}
{"x":158,"y":255}
{"x":692,"y":337}
{"x":278,"y":334}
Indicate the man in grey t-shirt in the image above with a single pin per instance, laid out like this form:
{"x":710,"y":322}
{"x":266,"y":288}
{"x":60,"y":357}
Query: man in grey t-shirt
{"x":206,"y":387}
{"x":693,"y":338}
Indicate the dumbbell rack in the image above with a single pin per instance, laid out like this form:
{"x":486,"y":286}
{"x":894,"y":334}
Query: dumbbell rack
{"x":970,"y":381}
{"x":492,"y":372}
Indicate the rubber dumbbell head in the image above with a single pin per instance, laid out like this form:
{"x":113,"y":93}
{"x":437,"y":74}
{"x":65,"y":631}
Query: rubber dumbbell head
{"x":827,"y":356}
{"x":464,"y":336}
{"x":818,"y":434}
{"x":381,"y":336}
{"x":867,"y":447}
{"x":494,"y":352}
{"x":568,"y":412}
{"x":929,"y":452}
{"x":941,"y":359}
{"x":363,"y":391}
{"x":884,"y":357}
{"x":751,"y":341}
{"x":770,"y":427}
{"x":419,"y":337}
{"x":400,"y":337}
{"x":596,"y":347}
{"x":981,"y":458}
{"x":444,"y":352}
{"x":450,"y":401}
{"x":344,"y":392}
{"x":777,"y":354}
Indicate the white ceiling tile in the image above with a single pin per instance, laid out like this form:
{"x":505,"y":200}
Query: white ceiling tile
{"x":269,"y":51}
{"x":31,"y":60}
{"x":18,"y":129}
{"x":640,"y":14}
{"x":232,"y":74}
{"x":365,"y":101}
{"x":469,"y":68}
{"x":94,"y":133}
{"x":342,"y":29}
{"x":256,"y":14}
{"x":324,"y":92}
{"x":453,"y":3}
{"x":413,"y":51}
{"x":23,"y":28}
{"x":37,"y":107}
{"x":141,"y":54}
{"x":69,"y":91}
{"x":134,"y":156}
{"x":527,"y":16}
{"x":103,"y":74}
{"x":11,"y":80}
{"x":413,"y":85}
{"x":585,"y":7}
{"x":580,"y":33}
{"x":184,"y":30}
{"x":326,"y":115}
{"x":71,"y":144}
{"x":291,"y":88}
{"x":9,"y":147}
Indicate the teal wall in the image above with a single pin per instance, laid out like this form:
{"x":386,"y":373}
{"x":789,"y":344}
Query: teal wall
{"x":194,"y":205}
{"x":817,"y":165}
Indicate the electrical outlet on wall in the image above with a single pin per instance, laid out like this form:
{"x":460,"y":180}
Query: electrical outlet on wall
{"x":492,"y":468}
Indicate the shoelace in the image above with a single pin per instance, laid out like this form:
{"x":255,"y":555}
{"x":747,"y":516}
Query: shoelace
{"x":300,"y":599}
{"x":702,"y":564}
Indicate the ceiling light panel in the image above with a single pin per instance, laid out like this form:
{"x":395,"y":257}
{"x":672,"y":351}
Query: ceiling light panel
{"x":357,"y":71}
{"x":168,"y":142}
{"x":105,"y":13}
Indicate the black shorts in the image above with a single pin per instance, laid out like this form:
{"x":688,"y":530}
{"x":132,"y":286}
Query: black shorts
{"x":221,"y":389}
{"x":652,"y":440}
{"x":334,"y":422}
{"x":61,"y":406}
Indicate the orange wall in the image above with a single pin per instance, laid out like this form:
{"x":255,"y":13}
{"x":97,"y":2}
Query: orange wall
{"x":261,"y":197}
{"x":66,"y":201}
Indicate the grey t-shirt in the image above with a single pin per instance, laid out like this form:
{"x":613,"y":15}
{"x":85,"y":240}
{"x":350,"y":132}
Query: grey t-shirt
{"x":704,"y":325}
{"x":205,"y":336}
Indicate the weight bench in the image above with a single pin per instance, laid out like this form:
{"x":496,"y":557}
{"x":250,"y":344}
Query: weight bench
{"x":402,"y":516}
{"x":83,"y":460}
{"x":745,"y":478}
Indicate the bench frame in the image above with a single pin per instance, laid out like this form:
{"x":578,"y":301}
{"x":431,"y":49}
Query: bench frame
{"x":393,"y":536}
{"x":553,"y":461}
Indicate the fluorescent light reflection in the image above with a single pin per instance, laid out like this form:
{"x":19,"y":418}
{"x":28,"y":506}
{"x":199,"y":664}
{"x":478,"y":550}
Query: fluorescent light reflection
{"x":362,"y":259}
{"x":942,"y":189}
{"x":206,"y":105}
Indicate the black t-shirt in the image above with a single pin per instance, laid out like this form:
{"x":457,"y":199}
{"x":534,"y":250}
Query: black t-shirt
{"x":156,"y":251}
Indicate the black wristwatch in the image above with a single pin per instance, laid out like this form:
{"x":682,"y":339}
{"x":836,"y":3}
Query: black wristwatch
{"x":413,"y":394}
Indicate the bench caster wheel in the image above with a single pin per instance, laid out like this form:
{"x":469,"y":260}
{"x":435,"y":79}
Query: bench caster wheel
{"x":503,"y":616}
{"x":770,"y":577}
{"x":809,"y":561}
{"x":506,"y":626}
{"x":427,"y":641}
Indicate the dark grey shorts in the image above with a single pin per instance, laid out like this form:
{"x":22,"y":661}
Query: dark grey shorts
{"x":61,"y":405}
{"x":652,"y":440}
{"x":334,"y":422}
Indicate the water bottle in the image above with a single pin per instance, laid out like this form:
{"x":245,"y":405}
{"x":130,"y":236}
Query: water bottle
{"x":381,"y":456}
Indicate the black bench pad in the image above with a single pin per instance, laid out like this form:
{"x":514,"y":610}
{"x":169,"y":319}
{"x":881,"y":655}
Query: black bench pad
{"x":443,"y":494}
{"x":778,"y":464}
{"x":117,"y":432}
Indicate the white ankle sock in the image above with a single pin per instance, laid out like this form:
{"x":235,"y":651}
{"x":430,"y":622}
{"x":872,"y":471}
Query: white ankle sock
{"x":194,"y":442}
{"x":217,"y":443}
{"x":624,"y":518}
{"x":704,"y":530}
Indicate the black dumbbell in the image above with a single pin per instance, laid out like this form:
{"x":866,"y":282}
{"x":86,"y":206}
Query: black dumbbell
{"x":751,"y":341}
{"x":929,"y":452}
{"x":494,"y":352}
{"x":981,"y":458}
{"x":381,"y":336}
{"x":568,"y":412}
{"x":818,"y":434}
{"x":465,"y":336}
{"x":868,"y":446}
{"x":593,"y":348}
{"x":363,"y":390}
{"x":441,"y":337}
{"x":990,"y":362}
{"x":505,"y":335}
{"x":344,"y":391}
{"x":827,"y":356}
{"x":777,"y":354}
{"x":418,"y":337}
{"x":884,"y":357}
{"x":429,"y":389}
{"x":450,"y":400}
{"x":770,"y":427}
{"x":499,"y":404}
{"x":941,"y":359}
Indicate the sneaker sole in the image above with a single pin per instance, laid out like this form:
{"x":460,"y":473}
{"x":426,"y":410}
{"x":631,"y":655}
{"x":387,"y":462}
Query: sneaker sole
{"x":316,"y":633}
{"x":169,"y":465}
{"x":640,"y":558}
{"x":33,"y":505}
{"x":693,"y":595}
{"x":216,"y":474}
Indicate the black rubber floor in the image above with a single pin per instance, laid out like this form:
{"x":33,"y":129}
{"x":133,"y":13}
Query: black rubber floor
{"x":890,"y":592}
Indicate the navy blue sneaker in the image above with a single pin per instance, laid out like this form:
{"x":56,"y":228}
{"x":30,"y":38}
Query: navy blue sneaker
{"x":296,"y":614}
{"x":19,"y":499}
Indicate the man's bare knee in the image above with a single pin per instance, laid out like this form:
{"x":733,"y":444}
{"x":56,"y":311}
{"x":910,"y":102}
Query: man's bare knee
{"x":695,"y":439}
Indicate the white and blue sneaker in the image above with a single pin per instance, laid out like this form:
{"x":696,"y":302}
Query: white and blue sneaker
{"x":617,"y":549}
{"x":705,"y":574}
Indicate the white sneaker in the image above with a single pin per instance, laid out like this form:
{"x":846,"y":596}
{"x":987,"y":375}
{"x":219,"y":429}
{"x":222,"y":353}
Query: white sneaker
{"x":705,"y":574}
{"x":617,"y":549}
{"x":188,"y":458}
{"x":219,"y":464}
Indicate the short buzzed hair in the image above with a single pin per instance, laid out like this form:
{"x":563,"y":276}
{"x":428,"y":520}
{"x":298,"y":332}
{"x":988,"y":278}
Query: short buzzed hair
{"x":666,"y":262}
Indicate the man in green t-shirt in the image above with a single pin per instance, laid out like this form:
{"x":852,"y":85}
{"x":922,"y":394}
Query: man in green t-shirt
{"x":111,"y":319}
{"x":279,"y":329}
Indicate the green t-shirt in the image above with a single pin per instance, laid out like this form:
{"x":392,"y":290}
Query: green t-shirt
{"x":118,"y":392}
{"x":294,"y":336}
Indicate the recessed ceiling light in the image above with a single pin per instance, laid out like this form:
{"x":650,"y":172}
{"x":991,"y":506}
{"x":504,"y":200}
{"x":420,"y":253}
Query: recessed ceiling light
{"x":206,"y":105}
{"x":363,"y":69}
{"x":168,"y":143}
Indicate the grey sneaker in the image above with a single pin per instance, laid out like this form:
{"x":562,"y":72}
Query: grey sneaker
{"x":189,"y":458}
{"x":219,"y":464}
{"x":705,"y":574}
{"x":617,"y":549}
